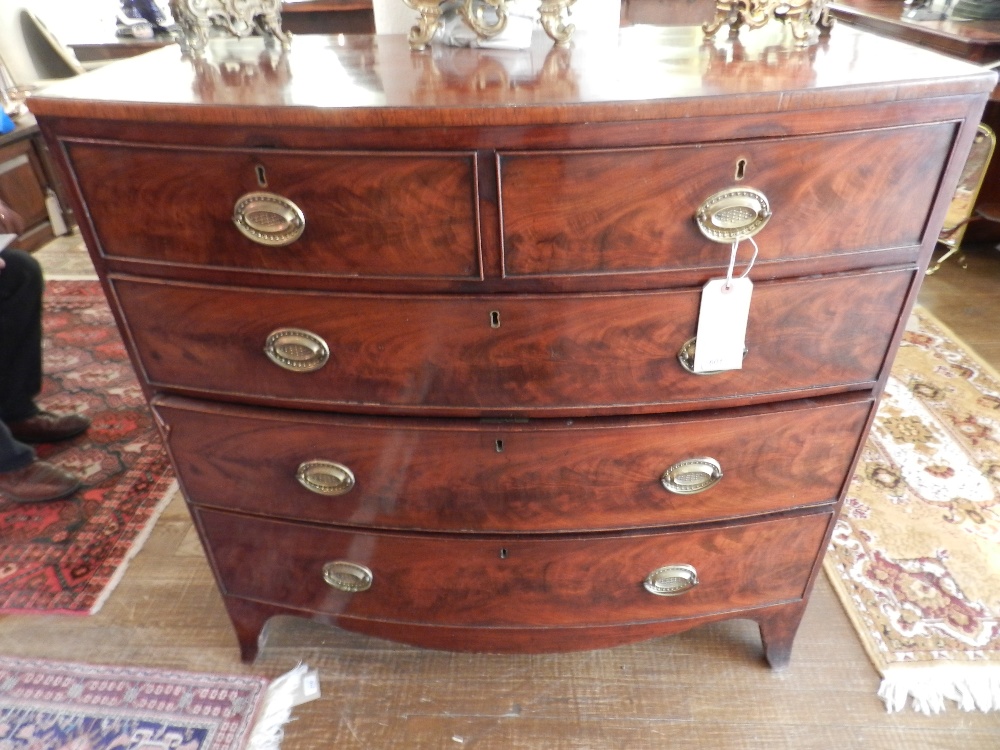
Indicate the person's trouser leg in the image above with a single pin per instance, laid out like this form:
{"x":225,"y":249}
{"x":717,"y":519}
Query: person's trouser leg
{"x":21,"y":287}
{"x":13,"y":454}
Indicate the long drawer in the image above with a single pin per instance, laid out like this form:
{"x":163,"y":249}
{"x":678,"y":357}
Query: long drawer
{"x":547,"y":476}
{"x":522,"y":582}
{"x":506,"y":355}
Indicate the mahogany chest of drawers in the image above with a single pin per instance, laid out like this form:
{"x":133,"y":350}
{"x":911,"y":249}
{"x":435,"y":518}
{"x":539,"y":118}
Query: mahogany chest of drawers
{"x":417,"y":326}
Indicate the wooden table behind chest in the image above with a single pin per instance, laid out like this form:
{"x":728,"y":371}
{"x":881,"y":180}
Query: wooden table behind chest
{"x":415,"y":326}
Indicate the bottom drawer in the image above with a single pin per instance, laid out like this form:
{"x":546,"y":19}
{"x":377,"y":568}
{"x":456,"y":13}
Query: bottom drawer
{"x":585,"y":580}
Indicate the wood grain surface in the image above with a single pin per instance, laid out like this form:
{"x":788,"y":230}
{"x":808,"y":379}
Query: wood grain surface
{"x":702,"y":688}
{"x":547,"y":355}
{"x":481,"y":589}
{"x":826,"y":195}
{"x":525,"y":477}
{"x":821,"y":327}
{"x":366,"y":214}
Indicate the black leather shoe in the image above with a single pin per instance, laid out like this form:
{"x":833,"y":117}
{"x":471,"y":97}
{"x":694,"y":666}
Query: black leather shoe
{"x":46,"y":427}
{"x":38,"y":482}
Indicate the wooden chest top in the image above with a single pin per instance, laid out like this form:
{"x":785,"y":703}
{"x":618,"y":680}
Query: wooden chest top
{"x":645,"y":73}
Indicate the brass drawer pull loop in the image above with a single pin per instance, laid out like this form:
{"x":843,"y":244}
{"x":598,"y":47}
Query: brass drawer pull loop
{"x":269,"y":219}
{"x":733,"y":214}
{"x":686,"y":357}
{"x":671,"y":580}
{"x":692,"y":475}
{"x":296,"y":349}
{"x":347,"y":576}
{"x":325,"y":477}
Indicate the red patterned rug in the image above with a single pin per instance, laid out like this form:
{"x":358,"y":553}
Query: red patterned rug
{"x":66,"y":556}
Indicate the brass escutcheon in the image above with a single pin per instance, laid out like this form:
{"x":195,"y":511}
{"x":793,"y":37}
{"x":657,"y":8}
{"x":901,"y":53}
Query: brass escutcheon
{"x":733,"y":214}
{"x":686,"y":357}
{"x":691,"y":476}
{"x":269,"y":219}
{"x":325,"y":477}
{"x":347,"y":576}
{"x":296,"y":349}
{"x":671,"y":580}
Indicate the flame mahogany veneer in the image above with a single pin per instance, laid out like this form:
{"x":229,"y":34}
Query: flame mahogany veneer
{"x":504,"y":264}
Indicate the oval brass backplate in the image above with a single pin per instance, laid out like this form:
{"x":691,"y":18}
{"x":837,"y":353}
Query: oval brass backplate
{"x":671,"y":580}
{"x":733,"y":214}
{"x":347,"y":576}
{"x":686,"y":357}
{"x":692,"y":475}
{"x":269,"y":219}
{"x":325,"y":477}
{"x":296,"y":349}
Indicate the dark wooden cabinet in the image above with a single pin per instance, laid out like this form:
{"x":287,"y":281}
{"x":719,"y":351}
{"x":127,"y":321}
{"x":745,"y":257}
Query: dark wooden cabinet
{"x":26,"y":176}
{"x":418,"y":337}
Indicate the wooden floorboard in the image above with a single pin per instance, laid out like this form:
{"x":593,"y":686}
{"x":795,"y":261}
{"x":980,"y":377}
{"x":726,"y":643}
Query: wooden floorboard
{"x":707,"y":688}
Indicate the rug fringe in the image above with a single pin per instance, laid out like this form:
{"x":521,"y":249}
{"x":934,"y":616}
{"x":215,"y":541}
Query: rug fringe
{"x":927,"y":688}
{"x":276,"y":710}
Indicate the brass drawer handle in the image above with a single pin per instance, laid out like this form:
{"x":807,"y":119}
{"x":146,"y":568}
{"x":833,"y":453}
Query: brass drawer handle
{"x":296,"y":349}
{"x":268,"y":219}
{"x":733,"y":214}
{"x":671,"y":580}
{"x":347,"y":576}
{"x":325,"y":477}
{"x":686,"y":357}
{"x":692,"y":475}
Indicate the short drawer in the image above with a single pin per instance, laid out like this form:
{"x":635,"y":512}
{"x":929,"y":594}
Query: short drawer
{"x":540,"y":476}
{"x":366,"y":214}
{"x":444,"y":580}
{"x":508,"y":355}
{"x":625,"y":211}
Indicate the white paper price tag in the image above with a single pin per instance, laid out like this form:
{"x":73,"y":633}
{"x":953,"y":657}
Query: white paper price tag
{"x":307,"y":689}
{"x":722,"y":324}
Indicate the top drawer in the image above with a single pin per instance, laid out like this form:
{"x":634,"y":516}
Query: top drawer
{"x":366,"y":214}
{"x":569,"y":213}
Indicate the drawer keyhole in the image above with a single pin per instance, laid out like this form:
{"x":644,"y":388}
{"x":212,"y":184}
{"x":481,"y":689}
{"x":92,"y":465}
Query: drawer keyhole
{"x":741,"y":169}
{"x":494,"y":319}
{"x":499,"y":446}
{"x":503,"y":553}
{"x":261,"y":175}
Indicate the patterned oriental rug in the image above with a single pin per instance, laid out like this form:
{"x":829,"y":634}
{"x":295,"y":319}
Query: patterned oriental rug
{"x":48,"y":705}
{"x":66,"y":556}
{"x":915,"y":557}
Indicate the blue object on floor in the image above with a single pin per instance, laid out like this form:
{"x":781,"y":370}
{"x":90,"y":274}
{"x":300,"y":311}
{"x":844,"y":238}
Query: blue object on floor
{"x":6,"y":124}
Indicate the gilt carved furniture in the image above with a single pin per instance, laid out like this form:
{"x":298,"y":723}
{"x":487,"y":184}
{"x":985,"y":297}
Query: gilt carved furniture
{"x":417,"y":327}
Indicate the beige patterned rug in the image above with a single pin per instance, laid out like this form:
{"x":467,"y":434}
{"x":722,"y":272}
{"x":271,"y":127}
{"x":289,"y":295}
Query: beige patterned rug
{"x":915,"y":557}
